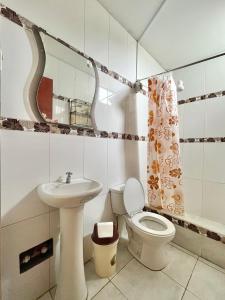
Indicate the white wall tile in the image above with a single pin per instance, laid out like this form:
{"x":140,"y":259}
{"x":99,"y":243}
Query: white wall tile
{"x":181,"y":120}
{"x":24,"y":165}
{"x":118,"y":104}
{"x":102,"y":112}
{"x":146,"y":64}
{"x":132,"y":159}
{"x":63,"y":19}
{"x":194,"y":120}
{"x":193,"y":160}
{"x":214,"y":163}
{"x":192,"y":196}
{"x":131,"y":58}
{"x":142,"y":114}
{"x":213,"y":206}
{"x":193,"y":78}
{"x":181,"y":155}
{"x":16,"y":239}
{"x":143,"y":165}
{"x":113,"y":113}
{"x":116,"y":162}
{"x":95,"y":160}
{"x":215,"y":121}
{"x":131,"y":115}
{"x":115,"y":86}
{"x":117,"y":47}
{"x":103,"y":80}
{"x":15,"y":69}
{"x":213,"y":251}
{"x":188,"y":239}
{"x":66,"y":154}
{"x":96,"y":31}
{"x":102,"y":107}
{"x":215,"y":75}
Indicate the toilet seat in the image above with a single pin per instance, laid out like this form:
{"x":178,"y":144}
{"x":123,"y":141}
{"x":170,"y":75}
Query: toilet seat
{"x":133,"y":196}
{"x":162,"y":221}
{"x":134,"y":201}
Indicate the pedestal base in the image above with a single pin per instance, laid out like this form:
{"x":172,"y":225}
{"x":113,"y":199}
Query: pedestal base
{"x":71,"y":285}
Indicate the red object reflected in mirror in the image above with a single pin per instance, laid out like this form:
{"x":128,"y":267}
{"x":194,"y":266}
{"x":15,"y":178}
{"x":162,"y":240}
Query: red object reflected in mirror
{"x":44,"y":97}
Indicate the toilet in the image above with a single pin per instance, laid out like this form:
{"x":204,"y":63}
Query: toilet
{"x":148,"y":233}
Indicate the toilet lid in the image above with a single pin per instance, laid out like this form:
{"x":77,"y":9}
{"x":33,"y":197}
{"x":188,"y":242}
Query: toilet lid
{"x":134,"y":196}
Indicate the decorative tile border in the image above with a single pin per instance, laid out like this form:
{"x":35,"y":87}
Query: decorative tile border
{"x":202,"y":97}
{"x":190,"y":226}
{"x":23,"y":125}
{"x":10,"y":15}
{"x":143,"y":92}
{"x":23,"y":22}
{"x":203,"y":140}
{"x":193,"y":99}
{"x":26,"y":125}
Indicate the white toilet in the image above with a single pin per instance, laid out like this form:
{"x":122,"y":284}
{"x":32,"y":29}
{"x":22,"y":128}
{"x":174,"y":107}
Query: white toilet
{"x":148,"y":233}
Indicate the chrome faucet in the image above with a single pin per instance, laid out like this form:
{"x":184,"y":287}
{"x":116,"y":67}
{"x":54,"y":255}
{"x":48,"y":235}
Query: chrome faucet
{"x":68,"y":177}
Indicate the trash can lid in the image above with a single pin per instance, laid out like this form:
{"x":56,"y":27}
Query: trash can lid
{"x":104,"y":241}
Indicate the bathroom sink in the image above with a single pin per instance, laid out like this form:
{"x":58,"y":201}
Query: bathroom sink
{"x":70,"y":197}
{"x":73,"y":194}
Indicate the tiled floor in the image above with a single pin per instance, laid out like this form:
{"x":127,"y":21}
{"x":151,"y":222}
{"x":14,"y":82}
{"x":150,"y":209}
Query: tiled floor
{"x":187,"y":277}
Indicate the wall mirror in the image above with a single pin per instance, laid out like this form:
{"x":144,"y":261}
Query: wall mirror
{"x":51,"y":82}
{"x":68,"y":86}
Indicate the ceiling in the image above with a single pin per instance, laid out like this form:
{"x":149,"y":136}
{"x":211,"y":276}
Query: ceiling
{"x":176,"y":32}
{"x":134,"y":15}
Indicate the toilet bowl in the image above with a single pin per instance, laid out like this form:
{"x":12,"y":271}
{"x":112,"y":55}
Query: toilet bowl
{"x":148,"y":233}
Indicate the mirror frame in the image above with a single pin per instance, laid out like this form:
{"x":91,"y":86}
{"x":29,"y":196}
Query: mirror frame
{"x":40,"y":71}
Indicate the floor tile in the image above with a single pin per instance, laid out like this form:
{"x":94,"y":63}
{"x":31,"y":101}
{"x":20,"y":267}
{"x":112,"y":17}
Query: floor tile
{"x":189,"y":296}
{"x":137,"y":282}
{"x":109,"y":292}
{"x":184,"y":250}
{"x":46,"y":296}
{"x":218,"y":268}
{"x":207,"y":283}
{"x":52,"y":292}
{"x":123,"y":256}
{"x":94,"y":283}
{"x":181,"y":265}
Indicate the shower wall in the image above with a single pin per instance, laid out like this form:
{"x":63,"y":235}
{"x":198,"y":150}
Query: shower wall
{"x":203,"y":161}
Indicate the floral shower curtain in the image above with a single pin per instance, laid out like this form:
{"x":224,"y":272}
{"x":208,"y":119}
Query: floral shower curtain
{"x":164,"y":167}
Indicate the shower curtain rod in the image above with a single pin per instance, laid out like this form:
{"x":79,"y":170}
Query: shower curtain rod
{"x":185,"y":66}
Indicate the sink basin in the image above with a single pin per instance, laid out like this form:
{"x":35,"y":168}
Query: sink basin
{"x":70,"y":199}
{"x":68,"y":195}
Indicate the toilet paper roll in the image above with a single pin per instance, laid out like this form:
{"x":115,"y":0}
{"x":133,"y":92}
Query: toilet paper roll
{"x":105,"y":229}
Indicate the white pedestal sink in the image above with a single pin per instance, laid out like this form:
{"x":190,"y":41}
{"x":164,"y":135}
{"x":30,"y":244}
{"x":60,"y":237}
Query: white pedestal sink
{"x":70,"y":199}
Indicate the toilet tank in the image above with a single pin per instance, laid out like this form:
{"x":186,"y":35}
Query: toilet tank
{"x":117,"y":199}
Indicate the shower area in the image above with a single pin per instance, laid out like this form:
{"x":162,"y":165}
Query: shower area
{"x":201,"y":112}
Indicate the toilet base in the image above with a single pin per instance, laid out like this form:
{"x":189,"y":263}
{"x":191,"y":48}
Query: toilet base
{"x":156,"y":263}
{"x":155,"y":257}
